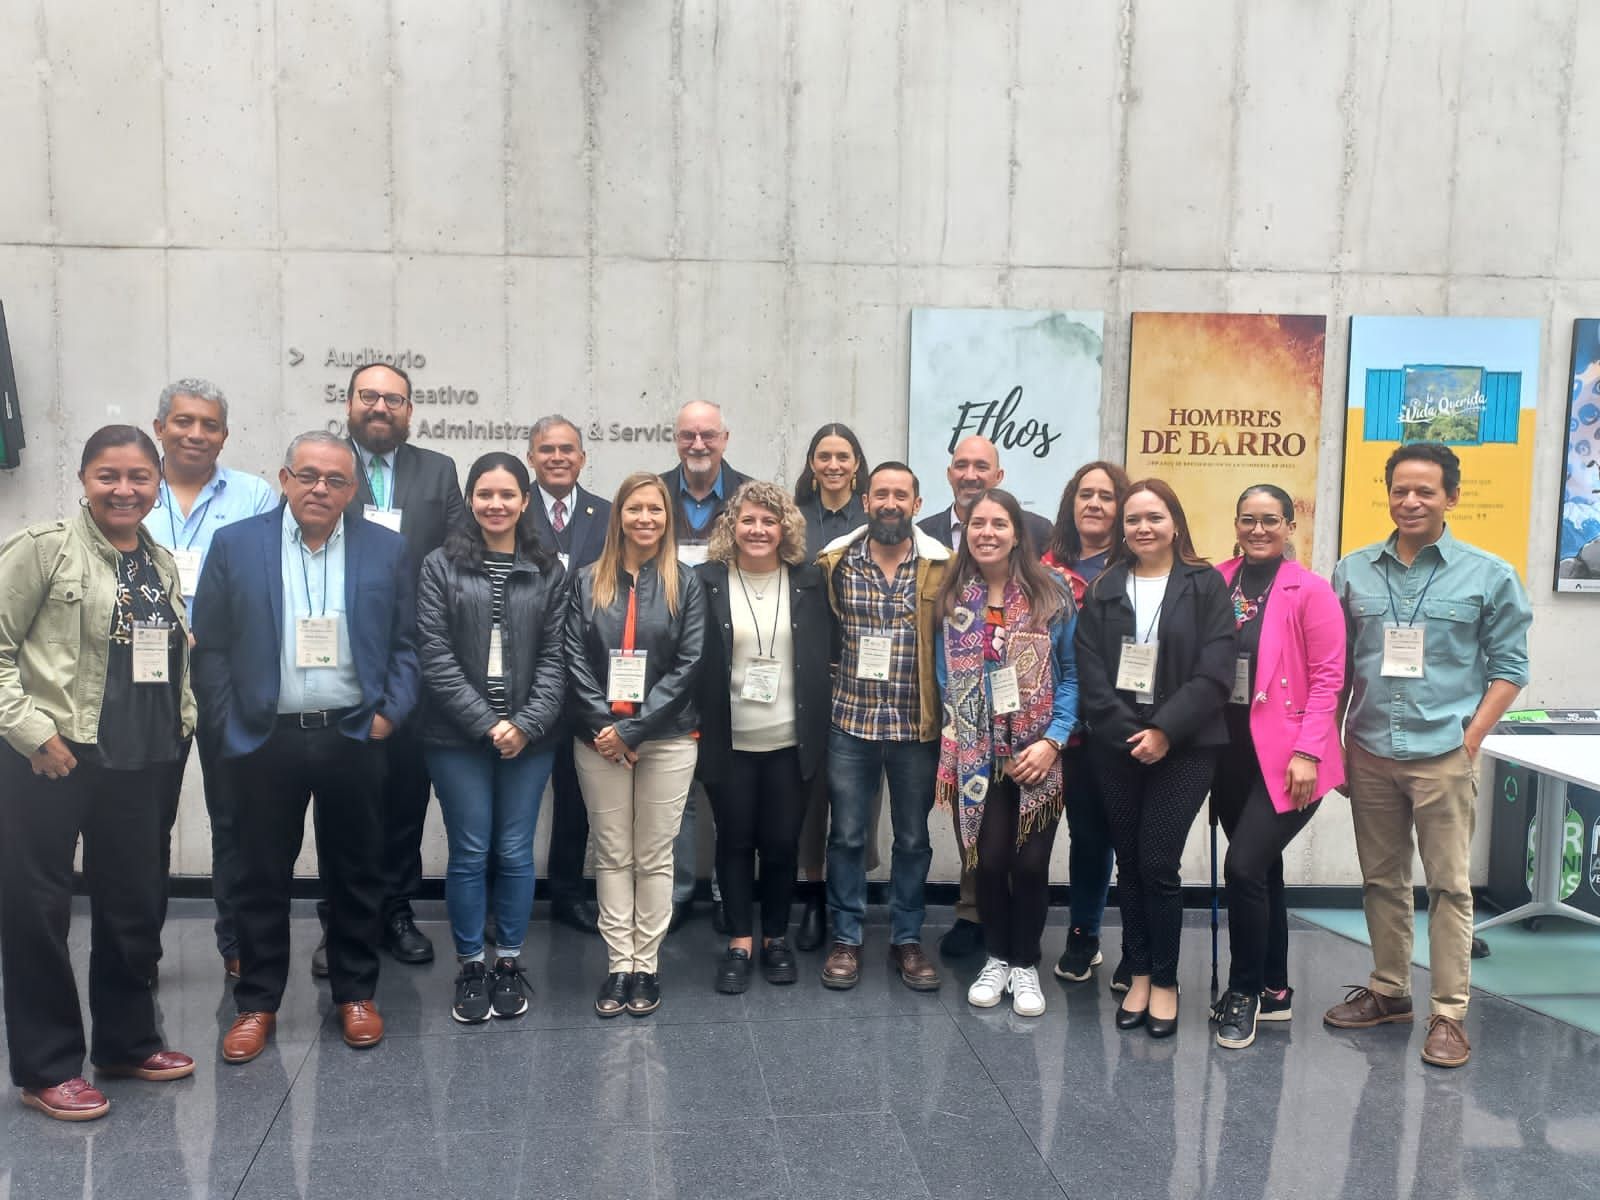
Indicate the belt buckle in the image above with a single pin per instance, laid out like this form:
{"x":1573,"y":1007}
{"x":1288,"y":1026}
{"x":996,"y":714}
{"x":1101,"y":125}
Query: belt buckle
{"x":322,"y":722}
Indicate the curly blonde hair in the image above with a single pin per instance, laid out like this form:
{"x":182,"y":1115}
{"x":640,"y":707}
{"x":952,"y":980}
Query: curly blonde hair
{"x":792,"y":549}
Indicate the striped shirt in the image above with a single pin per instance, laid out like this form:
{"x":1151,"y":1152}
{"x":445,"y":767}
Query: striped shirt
{"x":498,"y":568}
{"x":869,"y":605}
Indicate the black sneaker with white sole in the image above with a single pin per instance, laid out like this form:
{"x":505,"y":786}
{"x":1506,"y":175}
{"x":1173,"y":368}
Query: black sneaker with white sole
{"x":1122,"y":977}
{"x":472,"y":1004}
{"x":1080,"y":957}
{"x":1277,"y":1008}
{"x":1236,"y":1016}
{"x":509,"y":989}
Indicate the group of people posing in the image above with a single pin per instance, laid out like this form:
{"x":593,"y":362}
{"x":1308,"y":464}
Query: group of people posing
{"x":379,"y":632}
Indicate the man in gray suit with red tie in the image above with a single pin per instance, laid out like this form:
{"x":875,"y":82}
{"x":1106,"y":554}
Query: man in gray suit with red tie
{"x":573,"y":521}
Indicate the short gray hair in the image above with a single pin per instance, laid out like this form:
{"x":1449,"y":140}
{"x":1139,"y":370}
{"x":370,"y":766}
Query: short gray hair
{"x":545,"y":424}
{"x":317,"y":437}
{"x":203,"y":389}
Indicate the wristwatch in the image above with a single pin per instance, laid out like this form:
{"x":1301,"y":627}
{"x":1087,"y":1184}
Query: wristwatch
{"x":1054,"y":742}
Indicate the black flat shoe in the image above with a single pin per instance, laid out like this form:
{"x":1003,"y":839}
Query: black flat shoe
{"x":644,"y":994}
{"x":1162,"y":1027}
{"x":733,"y":972}
{"x":582,"y":915}
{"x":613,"y":998}
{"x":1131,"y":1020}
{"x":964,"y":938}
{"x":813,"y":929}
{"x":777,"y":962}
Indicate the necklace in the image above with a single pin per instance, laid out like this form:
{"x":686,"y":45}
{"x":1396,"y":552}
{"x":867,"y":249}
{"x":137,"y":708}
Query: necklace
{"x":760,"y":592}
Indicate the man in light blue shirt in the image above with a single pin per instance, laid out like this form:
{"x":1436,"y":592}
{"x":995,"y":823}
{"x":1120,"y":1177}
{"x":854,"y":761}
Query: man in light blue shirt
{"x":314,"y":589}
{"x":197,"y":497}
{"x":1438,"y":651}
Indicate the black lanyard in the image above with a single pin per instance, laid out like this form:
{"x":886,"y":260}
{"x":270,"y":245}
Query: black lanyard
{"x":1394,"y":610}
{"x":777,"y":611}
{"x":172,"y":521}
{"x":1155,"y":620}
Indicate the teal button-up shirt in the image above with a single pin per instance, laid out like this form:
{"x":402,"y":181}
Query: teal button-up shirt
{"x":313,"y":586}
{"x":1476,"y":616}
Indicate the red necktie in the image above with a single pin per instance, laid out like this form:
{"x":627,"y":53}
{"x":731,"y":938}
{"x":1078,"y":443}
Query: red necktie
{"x":558,"y":516}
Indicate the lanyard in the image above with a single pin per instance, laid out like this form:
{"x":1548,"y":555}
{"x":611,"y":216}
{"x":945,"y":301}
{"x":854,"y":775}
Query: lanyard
{"x":777,"y":610}
{"x":305,"y":577}
{"x":1155,"y":620}
{"x":172,"y":521}
{"x":1417,"y":607}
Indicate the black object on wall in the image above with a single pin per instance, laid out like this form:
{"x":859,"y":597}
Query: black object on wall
{"x":11,"y":438}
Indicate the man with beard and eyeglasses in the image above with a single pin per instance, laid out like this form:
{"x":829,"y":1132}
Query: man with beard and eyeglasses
{"x":416,"y":493}
{"x":883,"y":580}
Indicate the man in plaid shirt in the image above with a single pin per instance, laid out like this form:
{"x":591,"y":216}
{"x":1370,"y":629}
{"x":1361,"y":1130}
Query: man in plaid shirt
{"x":883,"y":580}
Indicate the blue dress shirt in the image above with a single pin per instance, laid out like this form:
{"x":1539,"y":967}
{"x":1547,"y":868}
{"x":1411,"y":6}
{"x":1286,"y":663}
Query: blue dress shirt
{"x":313,"y":586}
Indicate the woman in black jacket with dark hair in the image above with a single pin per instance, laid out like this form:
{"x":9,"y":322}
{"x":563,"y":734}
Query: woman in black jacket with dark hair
{"x":1156,"y":647}
{"x":491,"y":607}
{"x":764,"y":711}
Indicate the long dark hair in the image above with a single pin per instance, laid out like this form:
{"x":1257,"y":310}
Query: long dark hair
{"x":1182,"y":542}
{"x":806,"y":486}
{"x":465,"y":546}
{"x":1066,"y":546}
{"x":1046,"y":596}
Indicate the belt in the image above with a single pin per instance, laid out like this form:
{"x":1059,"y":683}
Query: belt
{"x":322,"y":718}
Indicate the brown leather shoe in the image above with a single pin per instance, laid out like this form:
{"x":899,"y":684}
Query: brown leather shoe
{"x":842,"y":968}
{"x":160,"y":1066}
{"x":248,"y":1036}
{"x":1447,"y":1044}
{"x":74,"y":1099}
{"x":1362,"y":1008}
{"x":916,"y":971}
{"x":363,"y":1026}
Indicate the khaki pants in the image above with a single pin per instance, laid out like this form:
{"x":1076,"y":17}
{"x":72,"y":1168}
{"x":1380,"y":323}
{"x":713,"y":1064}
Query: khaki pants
{"x":633,"y":817}
{"x":1438,"y":798}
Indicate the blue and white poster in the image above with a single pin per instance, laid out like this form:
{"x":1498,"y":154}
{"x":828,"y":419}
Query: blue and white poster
{"x":1578,"y":551}
{"x":1026,"y":379}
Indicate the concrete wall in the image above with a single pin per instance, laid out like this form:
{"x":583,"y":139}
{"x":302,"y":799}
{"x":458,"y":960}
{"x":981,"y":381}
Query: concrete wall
{"x":609,"y":207}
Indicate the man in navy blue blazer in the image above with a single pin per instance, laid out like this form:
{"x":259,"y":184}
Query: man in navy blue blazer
{"x":305,"y":660}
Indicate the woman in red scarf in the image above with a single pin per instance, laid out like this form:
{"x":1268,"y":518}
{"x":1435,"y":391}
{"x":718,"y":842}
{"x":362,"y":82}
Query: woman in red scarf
{"x":1005,"y":670}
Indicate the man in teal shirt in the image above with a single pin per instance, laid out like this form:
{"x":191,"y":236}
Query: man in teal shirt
{"x":1439,"y":650}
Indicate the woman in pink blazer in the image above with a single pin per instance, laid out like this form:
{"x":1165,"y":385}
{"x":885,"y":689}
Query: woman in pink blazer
{"x":1283,"y":751}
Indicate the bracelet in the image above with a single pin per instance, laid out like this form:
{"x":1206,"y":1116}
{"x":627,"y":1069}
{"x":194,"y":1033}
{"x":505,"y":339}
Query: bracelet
{"x":1307,"y":757}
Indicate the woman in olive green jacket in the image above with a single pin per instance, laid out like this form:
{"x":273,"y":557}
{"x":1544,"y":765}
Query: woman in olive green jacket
{"x":95,"y":712}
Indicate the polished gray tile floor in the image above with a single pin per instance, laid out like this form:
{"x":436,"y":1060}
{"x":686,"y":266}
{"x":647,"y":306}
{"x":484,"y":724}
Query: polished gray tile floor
{"x":801,"y":1092}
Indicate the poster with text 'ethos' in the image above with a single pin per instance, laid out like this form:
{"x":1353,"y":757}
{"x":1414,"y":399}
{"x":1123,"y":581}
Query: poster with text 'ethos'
{"x":1218,"y":402}
{"x":1028,"y":380}
{"x":1469,"y":382}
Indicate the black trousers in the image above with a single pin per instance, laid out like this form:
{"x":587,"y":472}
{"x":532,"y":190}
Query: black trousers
{"x":121,"y":817}
{"x":1150,"y":809}
{"x":759,"y":807}
{"x":1013,"y":882}
{"x":224,"y":838}
{"x":271,"y":786}
{"x":405,"y":791}
{"x":1258,"y":918}
{"x":569,"y":829}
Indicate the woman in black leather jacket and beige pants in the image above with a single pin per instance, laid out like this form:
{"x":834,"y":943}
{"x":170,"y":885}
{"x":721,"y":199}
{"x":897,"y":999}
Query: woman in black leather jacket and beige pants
{"x":635,"y":629}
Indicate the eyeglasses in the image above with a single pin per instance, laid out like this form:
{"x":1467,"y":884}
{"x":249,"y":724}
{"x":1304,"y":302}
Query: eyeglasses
{"x":1248,"y":521}
{"x":393,"y":401}
{"x":688,"y":438}
{"x":309,"y":479}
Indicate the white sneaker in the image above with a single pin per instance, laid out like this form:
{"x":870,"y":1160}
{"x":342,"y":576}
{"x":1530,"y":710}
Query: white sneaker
{"x":1026,"y":998}
{"x":990,"y":984}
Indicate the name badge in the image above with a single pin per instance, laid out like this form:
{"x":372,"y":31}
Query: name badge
{"x":389,"y":518}
{"x":625,"y":679}
{"x":188,"y":570}
{"x":151,"y":661}
{"x":1402,"y":651}
{"x":872,"y":658}
{"x":692,"y":554}
{"x":761,"y":677}
{"x":1136,"y":669}
{"x":316,"y":642}
{"x":1003,"y":691}
{"x":1241,"y":681}
{"x":496,"y":664}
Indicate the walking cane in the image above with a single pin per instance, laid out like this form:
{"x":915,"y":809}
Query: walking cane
{"x":1211,"y":809}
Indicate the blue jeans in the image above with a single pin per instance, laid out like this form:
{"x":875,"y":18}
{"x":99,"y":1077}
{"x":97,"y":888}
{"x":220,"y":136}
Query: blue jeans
{"x":854,"y":769}
{"x":490,"y":805}
{"x":1090,"y":856}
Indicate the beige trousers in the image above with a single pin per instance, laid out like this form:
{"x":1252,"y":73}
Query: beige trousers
{"x":1438,"y":798}
{"x":634,"y":814}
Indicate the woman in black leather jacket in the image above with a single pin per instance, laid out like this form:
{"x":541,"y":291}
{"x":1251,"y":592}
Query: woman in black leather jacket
{"x":491,"y":603}
{"x":634,"y":633}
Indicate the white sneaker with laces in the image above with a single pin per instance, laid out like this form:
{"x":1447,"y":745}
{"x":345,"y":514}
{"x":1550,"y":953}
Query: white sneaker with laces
{"x":990,"y":984}
{"x":1026,"y":998}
